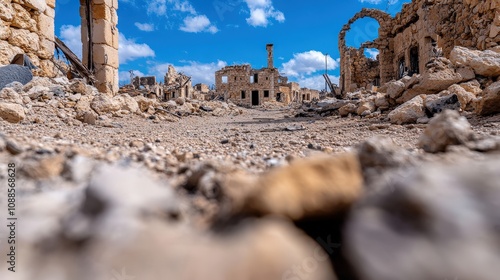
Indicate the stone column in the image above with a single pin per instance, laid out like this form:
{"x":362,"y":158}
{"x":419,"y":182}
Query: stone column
{"x":104,"y":49}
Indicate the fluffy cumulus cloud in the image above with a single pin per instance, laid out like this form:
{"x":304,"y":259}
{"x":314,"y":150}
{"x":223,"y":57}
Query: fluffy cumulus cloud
{"x":72,"y":37}
{"x":316,"y":81}
{"x":147,"y":27}
{"x":306,"y":63}
{"x":261,"y":11}
{"x":371,"y":53}
{"x":307,"y":69}
{"x":195,"y":24}
{"x":130,"y":50}
{"x":200,"y":72}
{"x":192,"y":23}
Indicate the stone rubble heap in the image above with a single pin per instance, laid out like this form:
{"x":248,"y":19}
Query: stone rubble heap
{"x":366,"y":214}
{"x":468,"y":81}
{"x":74,"y":102}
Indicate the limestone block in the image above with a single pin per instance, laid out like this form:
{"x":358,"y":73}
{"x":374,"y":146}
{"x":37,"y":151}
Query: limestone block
{"x":114,"y":16}
{"x":46,"y":49}
{"x":46,"y":27}
{"x":4,"y":30}
{"x":7,"y":52}
{"x":22,"y":18}
{"x":6,"y":12}
{"x":101,"y":12}
{"x":107,"y":79}
{"x":485,"y":63}
{"x":50,"y":12}
{"x":102,"y":32}
{"x":408,"y":112}
{"x":39,"y":5}
{"x":107,"y":55}
{"x":11,"y":112}
{"x":51,"y":3}
{"x":48,"y":69}
{"x":28,"y":41}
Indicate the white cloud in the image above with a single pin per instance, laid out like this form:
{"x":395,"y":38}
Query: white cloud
{"x":195,"y":24}
{"x":124,"y":76}
{"x":306,"y":63}
{"x":371,"y":53}
{"x":160,"y":7}
{"x":316,"y":82}
{"x":200,"y":72}
{"x":376,"y":2}
{"x":261,"y":11}
{"x":72,"y":37}
{"x":147,"y":27}
{"x":130,"y":50}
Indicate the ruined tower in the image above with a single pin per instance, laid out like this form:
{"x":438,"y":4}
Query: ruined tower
{"x":270,"y":63}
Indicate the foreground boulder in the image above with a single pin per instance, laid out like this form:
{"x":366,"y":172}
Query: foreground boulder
{"x":12,"y":112}
{"x":447,"y":128}
{"x":307,"y":188}
{"x":438,"y":222}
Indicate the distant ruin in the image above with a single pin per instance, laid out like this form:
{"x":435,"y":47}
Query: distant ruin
{"x":406,"y":42}
{"x":252,"y":87}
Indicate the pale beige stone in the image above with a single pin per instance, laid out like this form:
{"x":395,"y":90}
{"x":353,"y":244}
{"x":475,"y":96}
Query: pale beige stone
{"x":102,"y":33}
{"x":12,"y":112}
{"x":39,"y":5}
{"x":23,"y":18}
{"x":101,"y":12}
{"x":408,"y":112}
{"x":51,"y":3}
{"x":4,"y":30}
{"x":106,"y":55}
{"x":46,"y":27}
{"x":46,"y":49}
{"x":50,"y":12}
{"x":7,"y":52}
{"x":28,"y":41}
{"x":6,"y":11}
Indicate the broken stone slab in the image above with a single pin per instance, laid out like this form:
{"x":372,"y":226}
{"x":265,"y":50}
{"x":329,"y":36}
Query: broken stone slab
{"x":347,"y":109}
{"x":445,"y":129}
{"x":432,"y":216}
{"x":14,"y":73}
{"x":484,"y":63}
{"x":408,"y":112}
{"x":11,"y":112}
{"x":490,"y":102}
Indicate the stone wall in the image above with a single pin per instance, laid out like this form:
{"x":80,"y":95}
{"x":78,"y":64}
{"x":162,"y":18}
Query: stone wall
{"x":27,"y":27}
{"x":102,"y":55}
{"x":406,"y":41}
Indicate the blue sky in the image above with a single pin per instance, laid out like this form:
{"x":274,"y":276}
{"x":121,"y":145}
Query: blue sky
{"x":199,"y":37}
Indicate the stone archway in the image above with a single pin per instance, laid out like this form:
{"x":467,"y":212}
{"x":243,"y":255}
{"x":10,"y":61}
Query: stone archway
{"x":349,"y":55}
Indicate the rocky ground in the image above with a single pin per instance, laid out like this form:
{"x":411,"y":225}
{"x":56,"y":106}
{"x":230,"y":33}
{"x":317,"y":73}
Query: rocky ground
{"x":131,"y":188}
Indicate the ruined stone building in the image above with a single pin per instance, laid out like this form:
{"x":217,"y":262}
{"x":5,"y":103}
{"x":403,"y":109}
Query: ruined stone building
{"x":423,"y":29}
{"x":177,"y":85}
{"x":247,"y":86}
{"x":27,"y":27}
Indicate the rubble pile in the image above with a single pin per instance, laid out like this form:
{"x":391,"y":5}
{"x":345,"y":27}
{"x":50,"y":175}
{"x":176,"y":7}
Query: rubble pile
{"x":326,"y":210}
{"x":74,"y":102}
{"x":468,"y":81}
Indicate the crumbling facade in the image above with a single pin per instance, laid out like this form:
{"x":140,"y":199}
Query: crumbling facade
{"x":423,"y":29}
{"x":27,"y":27}
{"x":177,"y":85}
{"x":251,"y":87}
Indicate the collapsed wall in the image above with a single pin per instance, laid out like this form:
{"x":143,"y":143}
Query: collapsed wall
{"x":27,"y":27}
{"x":423,"y":29}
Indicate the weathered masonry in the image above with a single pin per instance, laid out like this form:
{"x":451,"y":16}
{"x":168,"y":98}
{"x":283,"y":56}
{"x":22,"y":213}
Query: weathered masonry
{"x":406,"y":42}
{"x":247,"y":86}
{"x":27,"y":27}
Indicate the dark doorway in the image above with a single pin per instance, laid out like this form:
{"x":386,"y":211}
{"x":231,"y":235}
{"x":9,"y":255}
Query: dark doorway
{"x":414,"y":61}
{"x":255,"y":97}
{"x":256,"y":78}
{"x":278,"y":97}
